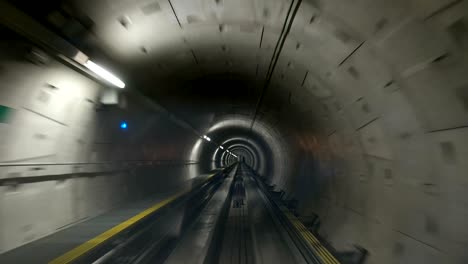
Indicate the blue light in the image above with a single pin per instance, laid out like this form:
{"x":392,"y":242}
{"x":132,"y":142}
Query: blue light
{"x":123,"y":125}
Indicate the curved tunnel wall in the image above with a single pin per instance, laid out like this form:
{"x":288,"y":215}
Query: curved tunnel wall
{"x":364,"y":121}
{"x":271,"y":149}
{"x":63,"y":155}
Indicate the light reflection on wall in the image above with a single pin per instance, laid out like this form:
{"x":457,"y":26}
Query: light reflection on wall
{"x":276,"y":145}
{"x":253,"y":146}
{"x":194,"y":156}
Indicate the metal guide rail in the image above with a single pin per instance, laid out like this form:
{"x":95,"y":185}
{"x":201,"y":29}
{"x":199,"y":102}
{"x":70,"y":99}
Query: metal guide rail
{"x":309,"y":246}
{"x":104,"y":247}
{"x":200,"y":244}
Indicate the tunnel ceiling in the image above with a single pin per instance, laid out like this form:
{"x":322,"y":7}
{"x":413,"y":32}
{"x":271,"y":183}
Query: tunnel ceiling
{"x":163,"y":46}
{"x":211,"y":57}
{"x":226,"y":46}
{"x":336,"y":63}
{"x":204,"y":60}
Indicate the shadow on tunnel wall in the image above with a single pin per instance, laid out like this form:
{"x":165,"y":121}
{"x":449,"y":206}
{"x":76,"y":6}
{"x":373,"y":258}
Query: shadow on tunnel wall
{"x":363,"y":123}
{"x":64,"y":156}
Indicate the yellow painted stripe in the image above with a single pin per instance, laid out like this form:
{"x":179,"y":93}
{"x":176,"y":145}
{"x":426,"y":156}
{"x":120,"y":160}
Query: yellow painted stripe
{"x":324,"y":253}
{"x":314,"y":243}
{"x":82,"y":249}
{"x":316,"y":246}
{"x":327,"y":254}
{"x":319,"y":248}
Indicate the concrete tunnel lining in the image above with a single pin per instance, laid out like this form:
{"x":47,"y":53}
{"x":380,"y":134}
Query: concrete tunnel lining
{"x":366,"y":108}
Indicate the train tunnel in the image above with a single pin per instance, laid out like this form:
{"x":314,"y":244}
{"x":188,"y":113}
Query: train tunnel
{"x":234,"y":131}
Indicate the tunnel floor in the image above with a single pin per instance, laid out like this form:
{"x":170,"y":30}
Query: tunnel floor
{"x":226,"y":218}
{"x":50,"y":247}
{"x":251,"y":235}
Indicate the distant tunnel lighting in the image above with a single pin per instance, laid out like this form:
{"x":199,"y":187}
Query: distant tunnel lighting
{"x":207,"y":138}
{"x":123,"y":125}
{"x":221,"y":147}
{"x":105,"y":74}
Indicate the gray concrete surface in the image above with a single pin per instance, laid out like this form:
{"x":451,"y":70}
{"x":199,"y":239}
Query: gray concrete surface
{"x":364,"y":121}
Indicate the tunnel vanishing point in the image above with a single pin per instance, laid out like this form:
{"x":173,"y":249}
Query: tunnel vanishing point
{"x":234,"y":131}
